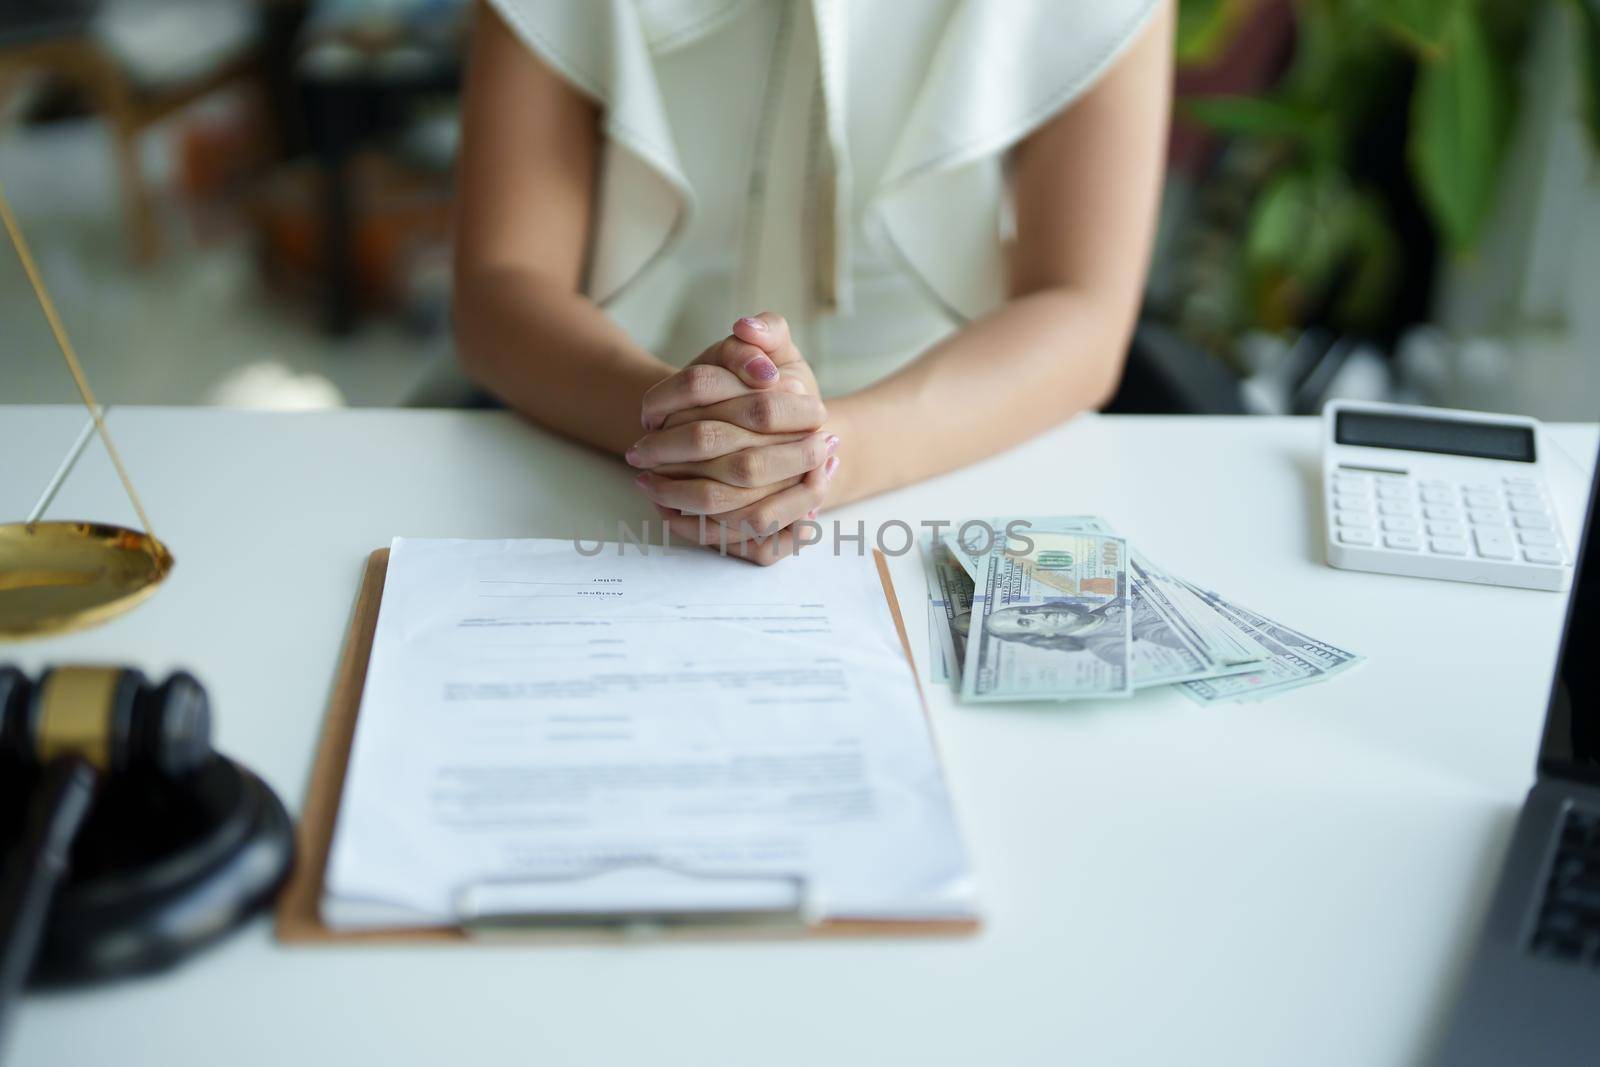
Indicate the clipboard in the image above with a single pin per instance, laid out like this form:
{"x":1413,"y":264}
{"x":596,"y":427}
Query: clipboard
{"x":298,"y":917}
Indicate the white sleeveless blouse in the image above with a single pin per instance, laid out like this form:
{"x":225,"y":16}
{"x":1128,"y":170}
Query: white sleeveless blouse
{"x":838,"y":162}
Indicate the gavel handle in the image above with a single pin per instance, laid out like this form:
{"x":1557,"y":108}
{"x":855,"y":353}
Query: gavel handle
{"x":56,"y":812}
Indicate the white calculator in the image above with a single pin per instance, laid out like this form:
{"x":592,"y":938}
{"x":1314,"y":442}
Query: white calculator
{"x":1434,"y":493}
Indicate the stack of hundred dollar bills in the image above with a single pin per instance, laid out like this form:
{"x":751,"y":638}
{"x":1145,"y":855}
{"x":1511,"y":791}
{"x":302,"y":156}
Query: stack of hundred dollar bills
{"x":1063,"y":609}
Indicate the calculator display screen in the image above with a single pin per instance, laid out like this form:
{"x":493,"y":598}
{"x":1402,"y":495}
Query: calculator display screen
{"x":1412,"y":433}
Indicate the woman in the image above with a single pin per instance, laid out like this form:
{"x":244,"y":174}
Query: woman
{"x":946,"y":207}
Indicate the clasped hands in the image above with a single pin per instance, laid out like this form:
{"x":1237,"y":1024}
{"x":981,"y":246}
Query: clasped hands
{"x":736,"y":449}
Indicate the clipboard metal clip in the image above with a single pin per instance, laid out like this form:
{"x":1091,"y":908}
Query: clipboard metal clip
{"x":639,"y":897}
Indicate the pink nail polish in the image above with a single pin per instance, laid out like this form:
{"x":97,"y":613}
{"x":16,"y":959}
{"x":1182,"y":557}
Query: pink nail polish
{"x":832,"y":443}
{"x":632,"y":456}
{"x":754,"y":324}
{"x":831,"y":467}
{"x":643,"y":481}
{"x":761,"y":369}
{"x":811,"y":514}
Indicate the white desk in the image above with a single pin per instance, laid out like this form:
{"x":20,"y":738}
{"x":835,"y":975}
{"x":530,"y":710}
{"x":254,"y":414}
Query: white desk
{"x":1289,"y":882}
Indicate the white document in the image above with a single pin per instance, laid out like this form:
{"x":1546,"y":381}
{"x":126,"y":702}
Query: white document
{"x":550,"y":732}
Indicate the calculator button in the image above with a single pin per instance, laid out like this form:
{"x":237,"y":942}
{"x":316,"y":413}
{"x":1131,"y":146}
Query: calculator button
{"x":1354,"y":518}
{"x":1438,"y":496}
{"x":1493,"y":544}
{"x":1351,"y":536}
{"x":1533,"y":522}
{"x":1522,"y":481}
{"x":1409,"y":542}
{"x":1446,"y":513}
{"x":1483,"y":500}
{"x":1526,"y":503}
{"x":1396,"y":507}
{"x":1446,"y":529}
{"x":1434,"y":483}
{"x":1400,"y":525}
{"x":1537,"y":537}
{"x":1394,"y":492}
{"x":1540,"y":554}
{"x":1486,"y":517}
{"x":1351,"y":503}
{"x":1479,"y":487}
{"x":1449,"y":546}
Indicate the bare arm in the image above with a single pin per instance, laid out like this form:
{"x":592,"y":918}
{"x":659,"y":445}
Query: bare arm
{"x":1086,"y":188}
{"x":524,"y":199}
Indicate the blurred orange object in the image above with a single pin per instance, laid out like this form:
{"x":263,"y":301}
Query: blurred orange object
{"x":395,"y":210}
{"x":218,"y":148}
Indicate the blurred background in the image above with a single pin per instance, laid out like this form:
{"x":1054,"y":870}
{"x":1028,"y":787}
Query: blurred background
{"x":246,"y":203}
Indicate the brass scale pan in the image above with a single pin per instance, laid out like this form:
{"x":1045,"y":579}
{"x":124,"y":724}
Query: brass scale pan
{"x":61,"y":576}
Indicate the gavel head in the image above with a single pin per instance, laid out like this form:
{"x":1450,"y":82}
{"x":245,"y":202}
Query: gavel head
{"x":111,"y":716}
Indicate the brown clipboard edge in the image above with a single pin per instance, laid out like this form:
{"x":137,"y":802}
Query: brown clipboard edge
{"x":298,"y":918}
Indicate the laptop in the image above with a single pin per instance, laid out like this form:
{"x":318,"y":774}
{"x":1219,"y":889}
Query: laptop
{"x":1532,"y":992}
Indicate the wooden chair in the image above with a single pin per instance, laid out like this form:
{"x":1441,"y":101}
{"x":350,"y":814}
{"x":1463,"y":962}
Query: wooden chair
{"x":56,"y":41}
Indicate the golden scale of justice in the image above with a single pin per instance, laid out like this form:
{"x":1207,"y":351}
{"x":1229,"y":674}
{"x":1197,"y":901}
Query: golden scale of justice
{"x":61,"y":576}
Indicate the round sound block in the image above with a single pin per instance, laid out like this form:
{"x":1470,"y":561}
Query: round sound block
{"x":163,"y":870}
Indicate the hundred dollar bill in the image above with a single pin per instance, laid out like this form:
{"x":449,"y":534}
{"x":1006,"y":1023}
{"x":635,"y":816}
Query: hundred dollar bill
{"x":1167,"y":647}
{"x":1169,"y":641}
{"x":1052,"y":620}
{"x":938,"y":662}
{"x":1296,"y":658}
{"x":971,"y":541}
{"x":949,"y":608}
{"x":1176,"y":637}
{"x":1220,"y":639}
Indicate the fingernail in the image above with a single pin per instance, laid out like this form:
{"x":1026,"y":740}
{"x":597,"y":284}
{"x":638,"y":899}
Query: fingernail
{"x":831,"y":467}
{"x":643,"y":481}
{"x":811,"y":514}
{"x":754,"y":324}
{"x":832,"y":443}
{"x":632,"y":456}
{"x":761,"y":369}
{"x":649,"y":422}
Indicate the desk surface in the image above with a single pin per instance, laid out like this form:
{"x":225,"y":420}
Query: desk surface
{"x":1294,"y":881}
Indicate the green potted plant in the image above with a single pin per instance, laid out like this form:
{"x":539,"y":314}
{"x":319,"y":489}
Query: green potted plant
{"x":1308,"y":224}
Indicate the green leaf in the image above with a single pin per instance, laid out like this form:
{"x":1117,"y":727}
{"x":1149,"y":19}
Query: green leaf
{"x":1589,"y":63}
{"x":1251,"y":116}
{"x":1277,"y":220}
{"x":1458,"y":124}
{"x":1206,"y":27}
{"x":1302,"y":226}
{"x":1421,"y":23}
